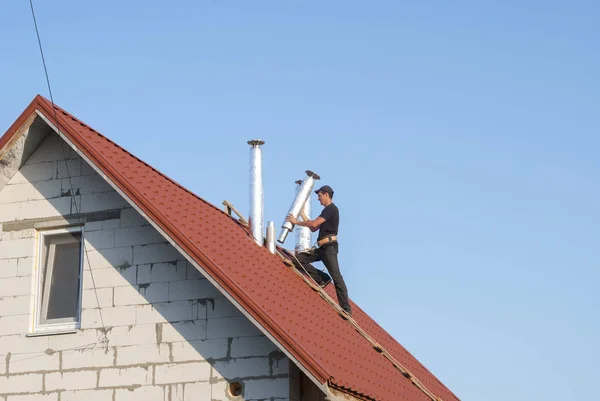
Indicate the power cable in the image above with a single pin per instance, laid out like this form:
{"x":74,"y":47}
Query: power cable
{"x":102,"y":339}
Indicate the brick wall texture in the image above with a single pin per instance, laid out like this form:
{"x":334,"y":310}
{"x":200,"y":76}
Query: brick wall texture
{"x":153,"y":328}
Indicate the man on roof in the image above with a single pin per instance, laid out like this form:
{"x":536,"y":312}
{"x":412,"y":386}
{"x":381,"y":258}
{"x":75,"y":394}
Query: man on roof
{"x":327,"y":223}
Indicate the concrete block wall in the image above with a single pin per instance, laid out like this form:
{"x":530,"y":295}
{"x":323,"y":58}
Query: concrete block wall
{"x":153,"y":328}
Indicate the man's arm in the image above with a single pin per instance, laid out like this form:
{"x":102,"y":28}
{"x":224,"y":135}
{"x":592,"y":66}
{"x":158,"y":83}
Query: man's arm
{"x":312,"y":224}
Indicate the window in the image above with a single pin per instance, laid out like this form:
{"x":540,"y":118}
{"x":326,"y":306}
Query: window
{"x":59,"y":277}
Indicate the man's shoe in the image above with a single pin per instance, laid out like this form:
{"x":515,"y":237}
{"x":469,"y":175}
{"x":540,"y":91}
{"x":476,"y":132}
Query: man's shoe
{"x":324,"y":283}
{"x":346,"y":315}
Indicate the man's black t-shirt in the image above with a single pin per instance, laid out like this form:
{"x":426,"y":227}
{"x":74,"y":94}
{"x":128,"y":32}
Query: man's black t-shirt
{"x":331,"y":214}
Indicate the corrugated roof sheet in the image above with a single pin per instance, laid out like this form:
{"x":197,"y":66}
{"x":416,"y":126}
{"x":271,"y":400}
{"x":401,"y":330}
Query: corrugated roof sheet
{"x":310,"y":329}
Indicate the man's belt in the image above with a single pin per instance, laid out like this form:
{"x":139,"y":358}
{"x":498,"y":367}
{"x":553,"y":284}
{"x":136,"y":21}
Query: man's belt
{"x":327,"y":239}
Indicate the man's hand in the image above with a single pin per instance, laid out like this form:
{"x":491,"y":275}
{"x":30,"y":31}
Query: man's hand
{"x":291,"y":219}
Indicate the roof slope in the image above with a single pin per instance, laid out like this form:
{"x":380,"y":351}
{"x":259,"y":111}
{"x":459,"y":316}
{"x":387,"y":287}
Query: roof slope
{"x":306,"y":326}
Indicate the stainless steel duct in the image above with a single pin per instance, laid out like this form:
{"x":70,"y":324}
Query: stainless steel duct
{"x":301,"y":196}
{"x":271,"y":236}
{"x":257,"y":206}
{"x":303,"y":234}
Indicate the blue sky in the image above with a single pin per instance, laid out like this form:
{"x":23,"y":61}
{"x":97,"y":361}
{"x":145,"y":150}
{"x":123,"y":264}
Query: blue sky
{"x":461,"y":139}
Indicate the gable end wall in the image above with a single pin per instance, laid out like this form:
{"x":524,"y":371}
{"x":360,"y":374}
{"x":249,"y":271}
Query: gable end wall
{"x":152,"y":327}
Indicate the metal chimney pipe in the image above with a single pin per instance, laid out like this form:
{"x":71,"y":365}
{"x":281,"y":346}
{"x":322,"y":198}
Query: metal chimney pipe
{"x":303,"y":234}
{"x":271,"y":236}
{"x":303,"y":194}
{"x":257,"y":206}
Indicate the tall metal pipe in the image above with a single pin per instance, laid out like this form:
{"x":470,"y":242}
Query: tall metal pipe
{"x":303,"y":193}
{"x":257,"y":206}
{"x":303,"y":234}
{"x":271,"y":236}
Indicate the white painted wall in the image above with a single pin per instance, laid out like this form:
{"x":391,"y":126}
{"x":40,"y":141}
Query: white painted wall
{"x":170,"y":334}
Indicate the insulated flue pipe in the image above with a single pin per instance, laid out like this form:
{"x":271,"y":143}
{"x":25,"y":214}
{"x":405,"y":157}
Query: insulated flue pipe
{"x":257,"y":208}
{"x":303,"y":233}
{"x":301,"y":196}
{"x":271,"y":236}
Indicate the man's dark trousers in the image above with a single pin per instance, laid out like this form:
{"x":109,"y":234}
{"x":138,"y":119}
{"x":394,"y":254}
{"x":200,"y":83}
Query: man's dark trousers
{"x":328,"y":255}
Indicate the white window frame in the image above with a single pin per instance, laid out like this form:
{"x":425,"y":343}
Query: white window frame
{"x":38,"y":308}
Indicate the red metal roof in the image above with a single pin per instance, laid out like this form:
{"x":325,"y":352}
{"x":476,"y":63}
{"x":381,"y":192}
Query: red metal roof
{"x":310,"y":329}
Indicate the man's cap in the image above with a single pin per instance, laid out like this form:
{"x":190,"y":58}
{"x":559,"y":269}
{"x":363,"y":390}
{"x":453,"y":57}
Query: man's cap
{"x":327,"y":189}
